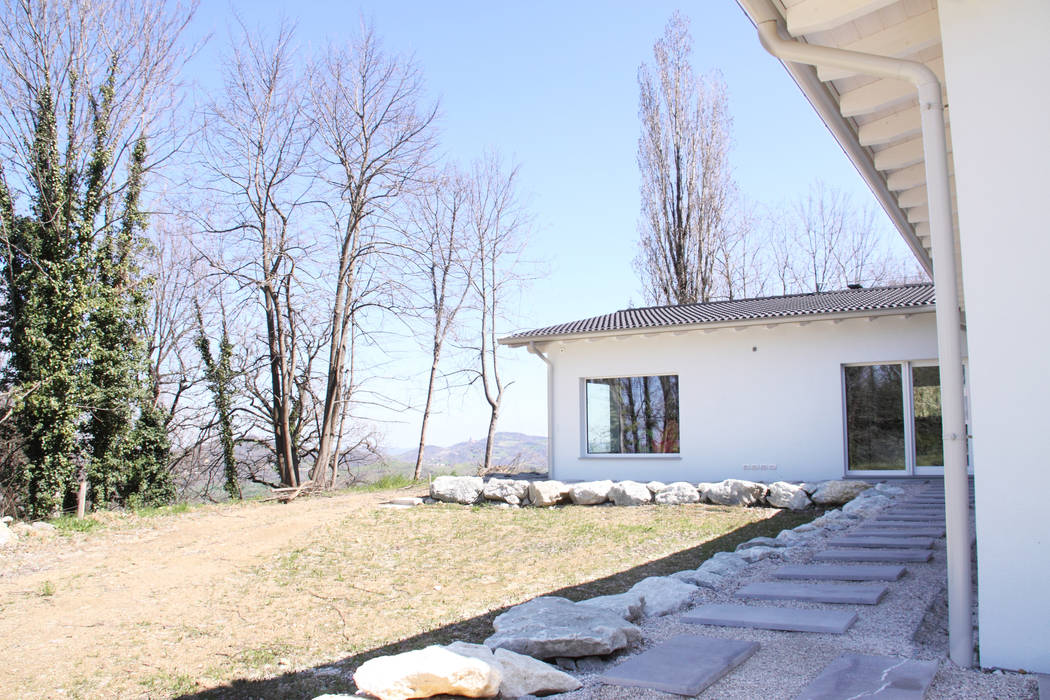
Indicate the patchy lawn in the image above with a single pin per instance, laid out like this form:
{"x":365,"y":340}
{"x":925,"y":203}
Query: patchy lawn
{"x":275,"y":601}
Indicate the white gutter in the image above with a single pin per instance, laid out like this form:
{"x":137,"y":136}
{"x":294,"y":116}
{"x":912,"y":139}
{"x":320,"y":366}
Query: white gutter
{"x":550,"y":408}
{"x":949,"y":342}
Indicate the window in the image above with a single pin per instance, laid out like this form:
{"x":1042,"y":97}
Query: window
{"x":632,"y":415}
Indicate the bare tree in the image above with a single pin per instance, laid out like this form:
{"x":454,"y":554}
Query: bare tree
{"x":256,"y":145}
{"x":687,"y":188}
{"x":374,"y":139}
{"x":498,"y":225}
{"x":440,"y":264}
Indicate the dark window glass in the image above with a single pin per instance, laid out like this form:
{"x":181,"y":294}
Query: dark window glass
{"x":926,"y":402}
{"x":632,"y":415}
{"x":874,"y":417}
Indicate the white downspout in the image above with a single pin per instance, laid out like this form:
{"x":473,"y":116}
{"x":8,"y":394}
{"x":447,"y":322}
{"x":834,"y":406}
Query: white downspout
{"x":550,"y":408}
{"x":949,"y":342}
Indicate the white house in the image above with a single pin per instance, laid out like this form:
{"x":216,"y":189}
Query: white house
{"x":800,"y":387}
{"x":941,"y":106}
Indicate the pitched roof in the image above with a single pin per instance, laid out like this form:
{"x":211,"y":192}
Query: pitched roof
{"x":845,"y":301}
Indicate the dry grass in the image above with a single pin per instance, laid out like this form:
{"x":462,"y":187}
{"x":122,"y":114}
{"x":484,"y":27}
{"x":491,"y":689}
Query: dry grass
{"x":283,"y":601}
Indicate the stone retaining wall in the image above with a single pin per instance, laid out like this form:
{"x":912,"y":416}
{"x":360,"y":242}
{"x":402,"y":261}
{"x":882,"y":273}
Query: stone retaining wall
{"x":469,"y":490}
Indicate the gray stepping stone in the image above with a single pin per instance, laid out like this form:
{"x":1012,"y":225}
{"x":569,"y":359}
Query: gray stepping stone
{"x":1044,"y":687}
{"x":683,"y":665}
{"x":893,"y":555}
{"x":843,"y":593}
{"x":859,"y":675}
{"x":909,"y":518}
{"x":788,"y":619}
{"x":839,"y":572}
{"x":882,"y":531}
{"x":914,"y":511}
{"x":888,"y":542}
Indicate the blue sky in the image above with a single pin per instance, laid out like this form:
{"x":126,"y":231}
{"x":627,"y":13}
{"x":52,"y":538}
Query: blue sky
{"x":553,"y":87}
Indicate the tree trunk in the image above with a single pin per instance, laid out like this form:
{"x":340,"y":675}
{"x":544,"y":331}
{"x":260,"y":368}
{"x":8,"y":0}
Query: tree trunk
{"x":490,"y":440}
{"x":418,"y":473}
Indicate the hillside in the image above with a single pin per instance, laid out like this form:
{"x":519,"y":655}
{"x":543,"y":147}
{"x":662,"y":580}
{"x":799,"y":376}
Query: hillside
{"x":514,"y":450}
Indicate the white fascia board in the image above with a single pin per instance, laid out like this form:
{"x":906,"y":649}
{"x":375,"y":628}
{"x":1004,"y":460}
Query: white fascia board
{"x":802,"y":320}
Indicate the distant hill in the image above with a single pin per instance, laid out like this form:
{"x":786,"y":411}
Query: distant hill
{"x":516,"y":451}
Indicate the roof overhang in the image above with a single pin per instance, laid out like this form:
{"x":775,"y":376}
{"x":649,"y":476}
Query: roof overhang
{"x":875,"y":120}
{"x":680,"y":329}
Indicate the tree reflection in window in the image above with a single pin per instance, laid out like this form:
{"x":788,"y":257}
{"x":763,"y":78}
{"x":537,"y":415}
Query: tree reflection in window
{"x":632,"y":415}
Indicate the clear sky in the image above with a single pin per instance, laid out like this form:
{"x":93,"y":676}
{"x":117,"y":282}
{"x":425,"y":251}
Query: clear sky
{"x":553,"y":87}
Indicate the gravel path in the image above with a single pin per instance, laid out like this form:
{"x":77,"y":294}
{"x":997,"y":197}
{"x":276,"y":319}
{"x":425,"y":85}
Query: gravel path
{"x":909,"y":622}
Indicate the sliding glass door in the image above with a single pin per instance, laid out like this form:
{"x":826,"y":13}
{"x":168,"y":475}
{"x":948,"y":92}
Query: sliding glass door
{"x":893,"y":419}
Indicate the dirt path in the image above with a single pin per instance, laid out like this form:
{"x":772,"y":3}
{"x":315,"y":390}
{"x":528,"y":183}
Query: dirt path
{"x":74,"y":612}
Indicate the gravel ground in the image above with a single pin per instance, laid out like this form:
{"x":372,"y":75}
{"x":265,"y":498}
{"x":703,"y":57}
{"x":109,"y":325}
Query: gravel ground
{"x":908,"y":622}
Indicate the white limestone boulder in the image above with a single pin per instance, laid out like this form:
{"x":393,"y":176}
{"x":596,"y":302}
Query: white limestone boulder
{"x":457,"y":489}
{"x":836,"y":493}
{"x":629,"y":606}
{"x":865,"y":505}
{"x":655,"y":487}
{"x":548,"y":493}
{"x":781,"y":494}
{"x":753,"y":554}
{"x":6,"y":536}
{"x":426,"y":672}
{"x":723,"y":564}
{"x":790,"y":537}
{"x":888,"y":489}
{"x":735,"y":492}
{"x":512,"y":491}
{"x":759,"y":542}
{"x":663,"y":595}
{"x":549,"y":627}
{"x":678,"y":493}
{"x":590,"y":493}
{"x":700,"y":578}
{"x":630,"y":493}
{"x":524,"y":675}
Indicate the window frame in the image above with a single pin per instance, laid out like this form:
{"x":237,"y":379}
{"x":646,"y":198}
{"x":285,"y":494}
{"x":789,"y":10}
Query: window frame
{"x":586,"y":454}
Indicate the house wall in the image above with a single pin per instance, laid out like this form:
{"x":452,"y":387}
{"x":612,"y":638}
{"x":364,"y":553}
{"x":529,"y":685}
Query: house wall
{"x":995,"y":57}
{"x":759,"y":395}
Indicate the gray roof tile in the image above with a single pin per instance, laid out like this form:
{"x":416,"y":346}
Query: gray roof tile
{"x":792,"y":305}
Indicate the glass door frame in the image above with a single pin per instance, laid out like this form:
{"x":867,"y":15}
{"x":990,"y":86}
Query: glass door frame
{"x":907,"y":391}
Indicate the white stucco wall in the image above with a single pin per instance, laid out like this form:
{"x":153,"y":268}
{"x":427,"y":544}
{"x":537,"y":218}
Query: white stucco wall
{"x":757,"y":395}
{"x":996,"y":55}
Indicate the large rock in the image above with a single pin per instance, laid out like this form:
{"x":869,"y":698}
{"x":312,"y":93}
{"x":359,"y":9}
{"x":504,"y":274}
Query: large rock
{"x":835,"y":493}
{"x":699,"y":577}
{"x":758,"y":542}
{"x":628,"y":605}
{"x":784,"y":495}
{"x":548,"y":493}
{"x":6,"y":536}
{"x":702,"y":488}
{"x":677,"y":494}
{"x":723,"y":564}
{"x":663,"y":595}
{"x":865,"y":505}
{"x":590,"y":493}
{"x":753,"y":554}
{"x":427,"y":672}
{"x":457,"y":489}
{"x":655,"y":487}
{"x":888,"y":489}
{"x":512,"y":491}
{"x":549,"y":627}
{"x":524,"y":675}
{"x":630,"y":493}
{"x":735,"y":492}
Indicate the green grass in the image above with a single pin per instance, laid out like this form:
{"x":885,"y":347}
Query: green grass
{"x":47,"y":589}
{"x":71,"y":523}
{"x":387,"y":482}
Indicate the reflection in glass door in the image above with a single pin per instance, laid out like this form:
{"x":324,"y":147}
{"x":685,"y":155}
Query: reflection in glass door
{"x":926,"y":418}
{"x":875,"y":426}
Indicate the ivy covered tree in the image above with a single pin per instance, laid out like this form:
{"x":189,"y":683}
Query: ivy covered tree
{"x":84,"y":83}
{"x":220,"y":375}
